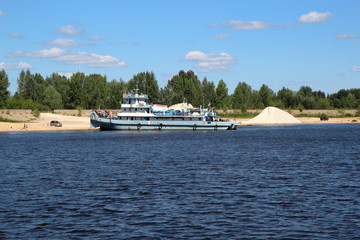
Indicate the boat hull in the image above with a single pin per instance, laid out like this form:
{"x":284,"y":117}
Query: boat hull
{"x":114,"y":124}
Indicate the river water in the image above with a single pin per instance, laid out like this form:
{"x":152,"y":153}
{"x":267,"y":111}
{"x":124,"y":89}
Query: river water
{"x":273,"y":182}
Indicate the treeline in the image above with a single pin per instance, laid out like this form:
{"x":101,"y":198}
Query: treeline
{"x":95,"y":92}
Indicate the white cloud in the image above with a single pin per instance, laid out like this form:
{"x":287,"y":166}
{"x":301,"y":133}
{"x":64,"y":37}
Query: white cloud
{"x":356,"y":69}
{"x":70,"y":31}
{"x":314,"y":16}
{"x":240,"y":25}
{"x":210,"y":62}
{"x":346,"y":36}
{"x":72,"y":57}
{"x":64,"y":43}
{"x":16,"y":65}
{"x":66,"y":74}
{"x":222,"y":36}
{"x":60,"y":43}
{"x":16,"y":35}
{"x":96,"y":38}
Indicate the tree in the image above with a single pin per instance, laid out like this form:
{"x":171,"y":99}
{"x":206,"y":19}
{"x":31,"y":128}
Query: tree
{"x":221,"y":95}
{"x":256,"y":100}
{"x":165,"y":95}
{"x":146,"y":83}
{"x":39,"y":86}
{"x":305,"y":97}
{"x":350,"y":101}
{"x":61,"y":85}
{"x":242,"y":96}
{"x":30,"y":86}
{"x":52,"y":98}
{"x":114,"y":93}
{"x":26,"y":85}
{"x":266,"y":95}
{"x":184,"y":86}
{"x":322,"y":103}
{"x":4,"y":84}
{"x":76,"y":91}
{"x":94,"y":91}
{"x":208,"y":92}
{"x":287,"y":97}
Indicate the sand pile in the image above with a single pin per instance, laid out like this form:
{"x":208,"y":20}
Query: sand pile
{"x":181,"y":106}
{"x":273,"y":115}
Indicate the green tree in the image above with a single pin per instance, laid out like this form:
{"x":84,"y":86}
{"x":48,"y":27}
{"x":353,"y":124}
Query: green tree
{"x":26,"y":85}
{"x":147,"y":84}
{"x":221,"y":95}
{"x":350,"y":101}
{"x":242,"y":96}
{"x":94,"y":91}
{"x":31,"y":86}
{"x":287,"y":97}
{"x":266,"y":95}
{"x":52,"y":98}
{"x":39,"y":86}
{"x":184,"y":86}
{"x":323,"y":103}
{"x":256,"y":100}
{"x":208,"y":92}
{"x":305,"y":97}
{"x":166,"y":95}
{"x":62,"y":86}
{"x":76,"y":91}
{"x":114,"y":93}
{"x":4,"y":84}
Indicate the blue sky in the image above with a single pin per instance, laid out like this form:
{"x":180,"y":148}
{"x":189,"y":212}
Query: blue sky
{"x":284,"y":43}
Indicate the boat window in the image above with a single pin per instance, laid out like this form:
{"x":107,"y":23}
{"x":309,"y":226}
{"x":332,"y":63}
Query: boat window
{"x":199,"y":119}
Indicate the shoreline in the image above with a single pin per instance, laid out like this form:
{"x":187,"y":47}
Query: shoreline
{"x":306,"y":120}
{"x":72,"y":123}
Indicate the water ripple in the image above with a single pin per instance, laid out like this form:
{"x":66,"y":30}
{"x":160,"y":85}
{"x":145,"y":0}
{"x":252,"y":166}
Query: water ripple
{"x":278,"y":182}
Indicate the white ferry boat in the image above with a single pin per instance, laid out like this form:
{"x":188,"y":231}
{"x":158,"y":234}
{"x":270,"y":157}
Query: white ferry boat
{"x":137,"y":114}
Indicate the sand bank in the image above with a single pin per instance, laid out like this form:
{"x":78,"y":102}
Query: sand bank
{"x":306,"y":120}
{"x":69,"y":123}
{"x":72,"y":123}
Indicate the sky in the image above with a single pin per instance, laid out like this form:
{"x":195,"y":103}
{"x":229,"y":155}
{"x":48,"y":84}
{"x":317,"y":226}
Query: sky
{"x":280,"y":43}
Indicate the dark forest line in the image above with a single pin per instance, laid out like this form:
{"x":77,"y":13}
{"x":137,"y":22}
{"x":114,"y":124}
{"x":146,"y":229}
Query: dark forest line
{"x":95,"y":92}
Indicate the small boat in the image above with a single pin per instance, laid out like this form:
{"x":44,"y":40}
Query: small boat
{"x":137,"y":114}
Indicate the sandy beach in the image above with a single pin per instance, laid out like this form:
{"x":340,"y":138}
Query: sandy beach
{"x":73,"y":123}
{"x":69,"y":123}
{"x":307,"y":120}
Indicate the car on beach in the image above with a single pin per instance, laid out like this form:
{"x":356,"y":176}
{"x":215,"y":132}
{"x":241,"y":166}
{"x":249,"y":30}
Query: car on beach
{"x":55,"y":123}
{"x":323,"y":118}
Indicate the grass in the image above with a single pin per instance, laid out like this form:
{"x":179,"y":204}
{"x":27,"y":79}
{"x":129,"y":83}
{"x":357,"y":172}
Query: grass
{"x":9,"y":120}
{"x":239,"y":115}
{"x":347,"y":115}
